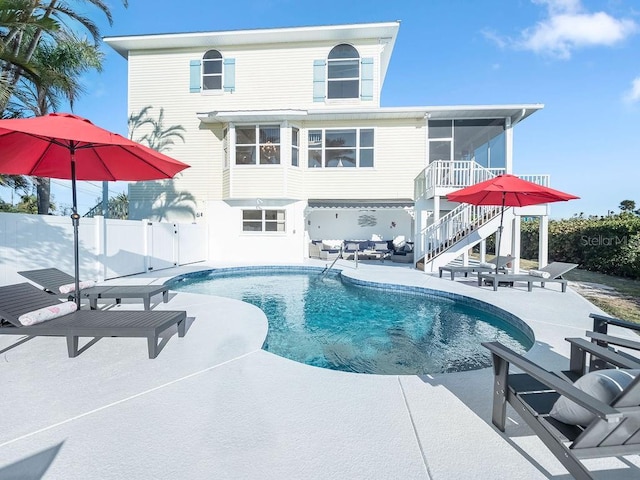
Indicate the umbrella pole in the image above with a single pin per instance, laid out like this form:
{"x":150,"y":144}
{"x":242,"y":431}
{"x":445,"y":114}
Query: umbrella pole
{"x":75,"y":220}
{"x":500,"y":232}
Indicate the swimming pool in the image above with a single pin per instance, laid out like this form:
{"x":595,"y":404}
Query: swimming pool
{"x":330,"y":322}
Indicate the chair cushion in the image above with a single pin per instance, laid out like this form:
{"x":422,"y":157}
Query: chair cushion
{"x":70,"y":287}
{"x":492,"y":266}
{"x":539,"y":273}
{"x":352,"y":247}
{"x":380,"y":246}
{"x":605,"y":385}
{"x":47,"y":313}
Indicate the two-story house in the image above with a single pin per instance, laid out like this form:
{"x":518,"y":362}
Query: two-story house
{"x":288,"y":143}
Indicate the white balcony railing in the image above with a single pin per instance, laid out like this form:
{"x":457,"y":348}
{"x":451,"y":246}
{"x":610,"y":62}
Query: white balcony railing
{"x":452,"y":175}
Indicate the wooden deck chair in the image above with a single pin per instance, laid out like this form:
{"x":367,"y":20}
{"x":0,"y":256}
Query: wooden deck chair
{"x":21,"y":298}
{"x":614,"y":430}
{"x":496,"y":263}
{"x":552,"y":273}
{"x":51,"y":279}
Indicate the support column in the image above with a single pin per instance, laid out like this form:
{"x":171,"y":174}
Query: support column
{"x":515,"y":243}
{"x":483,"y":250}
{"x":543,"y":242}
{"x":508,"y":145}
{"x":436,"y":208}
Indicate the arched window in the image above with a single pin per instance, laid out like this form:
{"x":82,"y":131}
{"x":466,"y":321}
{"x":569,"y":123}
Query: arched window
{"x":343,"y":72}
{"x":212,"y":70}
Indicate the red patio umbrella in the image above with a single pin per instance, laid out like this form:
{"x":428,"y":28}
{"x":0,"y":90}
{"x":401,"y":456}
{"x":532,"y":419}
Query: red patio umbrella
{"x":508,"y":191}
{"x":66,"y":146}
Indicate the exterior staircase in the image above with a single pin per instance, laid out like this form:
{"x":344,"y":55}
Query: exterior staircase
{"x":466,"y":225}
{"x":458,"y":231}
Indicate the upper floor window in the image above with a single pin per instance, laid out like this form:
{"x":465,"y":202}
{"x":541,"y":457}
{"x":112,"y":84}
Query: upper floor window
{"x":212,"y":70}
{"x":295,"y":135}
{"x":258,"y":142}
{"x":343,"y":72}
{"x":341,"y":148}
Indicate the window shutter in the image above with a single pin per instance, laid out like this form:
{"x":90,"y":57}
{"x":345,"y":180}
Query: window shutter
{"x":194,"y":76}
{"x":366,"y":82}
{"x":229,"y":75}
{"x":319,"y":80}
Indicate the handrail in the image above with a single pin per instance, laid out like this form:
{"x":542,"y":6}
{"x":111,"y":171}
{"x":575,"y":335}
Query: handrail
{"x":327,"y":269}
{"x":459,"y":222}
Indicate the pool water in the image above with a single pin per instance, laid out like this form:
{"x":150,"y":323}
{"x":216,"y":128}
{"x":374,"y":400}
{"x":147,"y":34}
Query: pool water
{"x":330,"y":323}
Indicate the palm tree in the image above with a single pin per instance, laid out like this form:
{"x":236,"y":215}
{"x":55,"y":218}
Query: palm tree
{"x":60,"y":65}
{"x":28,"y":21}
{"x":119,"y":206}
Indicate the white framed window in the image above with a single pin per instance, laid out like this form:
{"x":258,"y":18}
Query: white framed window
{"x":212,"y":71}
{"x":341,"y":148}
{"x":258,"y":143}
{"x":295,"y":144}
{"x":343,"y":72}
{"x":263,"y":221}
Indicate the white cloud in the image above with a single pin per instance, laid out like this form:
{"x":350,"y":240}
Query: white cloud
{"x":561,"y":6}
{"x":569,"y":27}
{"x":633,"y":94}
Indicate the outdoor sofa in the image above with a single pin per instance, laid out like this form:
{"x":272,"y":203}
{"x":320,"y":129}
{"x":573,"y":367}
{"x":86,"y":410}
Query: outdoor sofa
{"x":19,"y":299}
{"x":552,"y":273}
{"x":51,"y":279}
{"x":497,"y":263}
{"x":366,"y":249}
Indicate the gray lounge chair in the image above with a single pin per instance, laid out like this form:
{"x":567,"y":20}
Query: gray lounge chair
{"x":21,"y":298}
{"x":614,"y":432}
{"x":499,"y":262}
{"x":555,"y":270}
{"x":51,"y":279}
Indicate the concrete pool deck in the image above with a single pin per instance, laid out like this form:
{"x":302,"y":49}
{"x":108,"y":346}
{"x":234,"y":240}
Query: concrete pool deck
{"x":213,"y":405}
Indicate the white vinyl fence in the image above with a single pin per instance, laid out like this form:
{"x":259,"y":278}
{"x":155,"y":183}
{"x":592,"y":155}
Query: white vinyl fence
{"x":108,"y":248}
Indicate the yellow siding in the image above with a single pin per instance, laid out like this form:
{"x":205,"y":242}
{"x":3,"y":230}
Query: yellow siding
{"x":399,"y":157}
{"x":267,"y":77}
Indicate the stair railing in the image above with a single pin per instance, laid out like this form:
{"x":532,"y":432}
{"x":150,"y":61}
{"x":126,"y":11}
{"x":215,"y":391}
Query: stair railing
{"x":453,"y":227}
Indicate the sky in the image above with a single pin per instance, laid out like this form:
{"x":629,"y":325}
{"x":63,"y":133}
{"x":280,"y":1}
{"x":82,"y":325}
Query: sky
{"x":580,"y":58}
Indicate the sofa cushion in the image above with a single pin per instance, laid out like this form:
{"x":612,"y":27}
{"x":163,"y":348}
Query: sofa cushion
{"x":382,"y":246}
{"x":352,"y":246}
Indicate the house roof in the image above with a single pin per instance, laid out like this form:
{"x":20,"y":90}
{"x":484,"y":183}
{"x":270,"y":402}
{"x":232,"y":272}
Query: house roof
{"x":385,"y":33}
{"x":516,"y":112}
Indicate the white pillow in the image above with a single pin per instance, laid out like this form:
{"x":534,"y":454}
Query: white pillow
{"x":492,"y":266}
{"x":70,"y":287}
{"x":539,"y":273}
{"x":331,"y":244}
{"x":605,"y":385}
{"x":47,"y":313}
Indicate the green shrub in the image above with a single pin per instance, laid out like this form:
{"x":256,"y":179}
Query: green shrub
{"x":608,"y":245}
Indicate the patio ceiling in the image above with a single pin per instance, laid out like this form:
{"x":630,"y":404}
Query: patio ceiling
{"x":318,"y":204}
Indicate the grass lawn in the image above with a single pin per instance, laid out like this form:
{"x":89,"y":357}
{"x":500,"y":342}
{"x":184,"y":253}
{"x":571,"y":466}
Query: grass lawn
{"x":619,"y":297}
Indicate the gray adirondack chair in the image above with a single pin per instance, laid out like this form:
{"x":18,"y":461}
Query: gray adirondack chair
{"x":614,"y":432}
